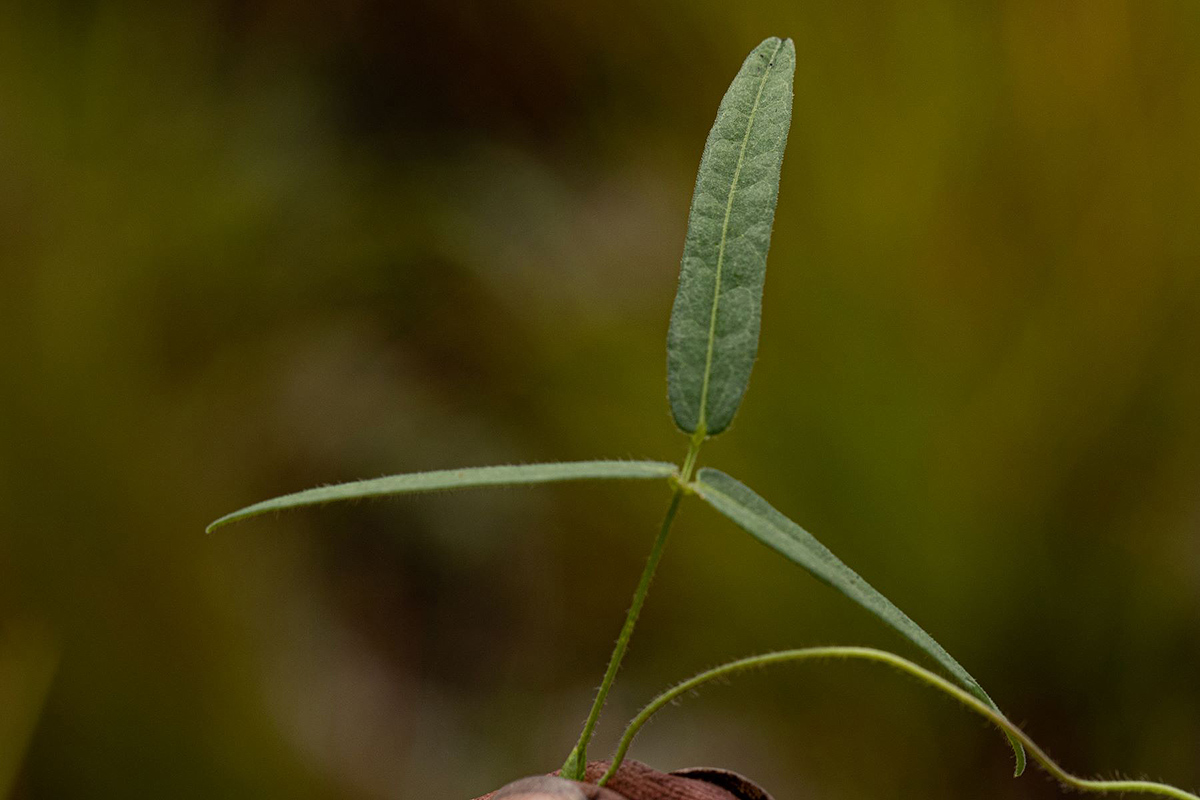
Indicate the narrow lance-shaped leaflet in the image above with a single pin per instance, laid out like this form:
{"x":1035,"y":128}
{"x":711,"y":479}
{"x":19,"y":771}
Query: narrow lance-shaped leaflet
{"x":470,"y":477}
{"x":713,"y":336}
{"x":758,"y":518}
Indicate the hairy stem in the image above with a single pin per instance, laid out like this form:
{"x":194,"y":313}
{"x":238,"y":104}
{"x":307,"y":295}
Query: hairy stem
{"x":577,"y":760}
{"x":693,"y":453}
{"x":922,"y":674}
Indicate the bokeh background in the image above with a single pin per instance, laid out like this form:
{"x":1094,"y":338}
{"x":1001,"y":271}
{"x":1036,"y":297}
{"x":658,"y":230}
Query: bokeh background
{"x":250,"y":247}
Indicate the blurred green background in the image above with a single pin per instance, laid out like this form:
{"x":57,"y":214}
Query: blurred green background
{"x":246,"y":248}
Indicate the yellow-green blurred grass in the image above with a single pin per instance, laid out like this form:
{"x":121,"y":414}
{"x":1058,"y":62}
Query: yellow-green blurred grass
{"x":247,"y":251}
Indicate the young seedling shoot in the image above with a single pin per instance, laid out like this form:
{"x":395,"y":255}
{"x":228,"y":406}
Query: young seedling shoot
{"x":711,"y":346}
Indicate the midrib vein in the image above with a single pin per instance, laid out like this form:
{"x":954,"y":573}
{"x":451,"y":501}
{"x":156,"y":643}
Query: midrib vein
{"x":702,"y":419}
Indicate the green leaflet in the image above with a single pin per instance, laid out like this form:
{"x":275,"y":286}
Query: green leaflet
{"x":738,"y":502}
{"x":469,"y":477}
{"x":713,"y":336}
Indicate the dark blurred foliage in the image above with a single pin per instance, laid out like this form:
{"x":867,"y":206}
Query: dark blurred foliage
{"x":246,"y":248}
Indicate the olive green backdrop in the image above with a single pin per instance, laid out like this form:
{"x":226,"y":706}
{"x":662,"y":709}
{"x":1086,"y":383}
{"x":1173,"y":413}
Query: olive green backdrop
{"x":246,"y":248}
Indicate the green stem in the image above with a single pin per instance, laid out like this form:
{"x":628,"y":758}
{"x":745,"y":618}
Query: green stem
{"x":689,"y":462}
{"x":904,"y":665}
{"x":577,"y":760}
